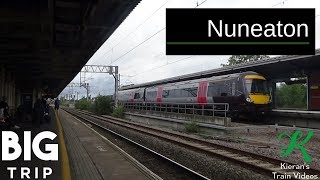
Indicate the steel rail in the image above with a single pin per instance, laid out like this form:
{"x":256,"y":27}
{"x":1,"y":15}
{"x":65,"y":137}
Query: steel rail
{"x":256,"y":162}
{"x":141,"y":146}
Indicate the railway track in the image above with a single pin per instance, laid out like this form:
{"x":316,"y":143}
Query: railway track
{"x":185,"y":173}
{"x":253,"y":161}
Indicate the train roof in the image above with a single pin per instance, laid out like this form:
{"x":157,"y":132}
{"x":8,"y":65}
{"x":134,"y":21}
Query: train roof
{"x":182,"y":82}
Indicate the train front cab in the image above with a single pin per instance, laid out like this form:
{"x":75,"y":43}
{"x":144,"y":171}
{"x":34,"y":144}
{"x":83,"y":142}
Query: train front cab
{"x":257,"y":94}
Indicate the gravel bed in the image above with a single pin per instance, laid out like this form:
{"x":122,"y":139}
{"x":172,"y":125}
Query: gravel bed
{"x":264,"y":141}
{"x":208,"y":166}
{"x":157,"y":165}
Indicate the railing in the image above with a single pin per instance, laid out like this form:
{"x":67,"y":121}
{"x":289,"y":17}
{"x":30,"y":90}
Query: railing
{"x":208,"y":109}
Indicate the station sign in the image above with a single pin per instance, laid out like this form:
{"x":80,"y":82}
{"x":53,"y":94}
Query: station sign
{"x":240,"y":31}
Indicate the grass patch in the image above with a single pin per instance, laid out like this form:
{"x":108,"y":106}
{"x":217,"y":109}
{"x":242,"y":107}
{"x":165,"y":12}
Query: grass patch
{"x":192,"y":127}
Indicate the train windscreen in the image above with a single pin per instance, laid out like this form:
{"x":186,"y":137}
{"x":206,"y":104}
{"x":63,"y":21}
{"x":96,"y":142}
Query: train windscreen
{"x":257,"y":86}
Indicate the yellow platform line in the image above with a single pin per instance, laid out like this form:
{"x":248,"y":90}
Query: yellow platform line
{"x":65,"y":166}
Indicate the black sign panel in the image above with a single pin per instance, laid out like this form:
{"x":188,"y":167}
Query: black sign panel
{"x":240,"y":31}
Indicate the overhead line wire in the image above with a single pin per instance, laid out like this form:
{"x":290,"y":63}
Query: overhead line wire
{"x":158,"y":67}
{"x":282,"y":2}
{"x":173,"y":61}
{"x":185,"y":58}
{"x":111,"y":49}
{"x":137,"y":45}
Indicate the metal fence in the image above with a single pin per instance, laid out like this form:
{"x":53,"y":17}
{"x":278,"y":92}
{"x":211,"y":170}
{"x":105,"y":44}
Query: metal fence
{"x":208,"y":109}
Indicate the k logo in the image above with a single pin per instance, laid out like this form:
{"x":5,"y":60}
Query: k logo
{"x":297,"y":135}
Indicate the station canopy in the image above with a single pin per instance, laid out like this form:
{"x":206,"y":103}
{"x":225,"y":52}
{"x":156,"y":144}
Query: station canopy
{"x":45,"y":43}
{"x":276,"y":68}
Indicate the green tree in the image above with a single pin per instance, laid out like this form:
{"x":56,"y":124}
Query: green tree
{"x":102,"y":105}
{"x":238,"y":59}
{"x":291,"y":96}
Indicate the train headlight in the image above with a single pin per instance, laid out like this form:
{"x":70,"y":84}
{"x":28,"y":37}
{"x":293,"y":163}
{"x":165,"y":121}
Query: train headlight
{"x":249,"y":100}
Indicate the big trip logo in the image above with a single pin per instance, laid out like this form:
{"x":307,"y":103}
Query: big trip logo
{"x":11,"y":151}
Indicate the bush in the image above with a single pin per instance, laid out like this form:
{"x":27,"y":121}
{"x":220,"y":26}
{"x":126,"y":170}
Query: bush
{"x":291,"y":96}
{"x":102,"y":105}
{"x":65,"y":103}
{"x":192,"y":127}
{"x":118,"y":112}
{"x":83,"y":104}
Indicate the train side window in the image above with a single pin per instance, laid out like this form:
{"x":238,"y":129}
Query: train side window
{"x":154,"y":94}
{"x":223,"y":90}
{"x":176,"y":94}
{"x":213,"y":90}
{"x":151,"y":94}
{"x":165,"y":94}
{"x":136,"y":95}
{"x":171,"y":93}
{"x":189,"y":92}
{"x":186,"y":92}
{"x":194,"y":92}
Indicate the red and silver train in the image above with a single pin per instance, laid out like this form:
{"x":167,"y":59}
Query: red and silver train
{"x":244,"y":92}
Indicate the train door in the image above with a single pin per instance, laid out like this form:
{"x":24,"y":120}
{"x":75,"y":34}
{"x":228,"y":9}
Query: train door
{"x":202,"y":92}
{"x":159,"y":94}
{"x":132,"y":96}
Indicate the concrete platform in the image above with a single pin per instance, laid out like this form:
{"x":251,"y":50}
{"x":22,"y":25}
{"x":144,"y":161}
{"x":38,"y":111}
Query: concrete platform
{"x":58,"y":170}
{"x":92,"y":157}
{"x":295,"y":111}
{"x":298,"y":118}
{"x":175,"y":124}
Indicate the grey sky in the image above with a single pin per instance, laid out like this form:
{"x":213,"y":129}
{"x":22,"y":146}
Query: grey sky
{"x":148,"y":61}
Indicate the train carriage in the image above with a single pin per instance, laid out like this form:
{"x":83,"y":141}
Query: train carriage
{"x":244,"y":92}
